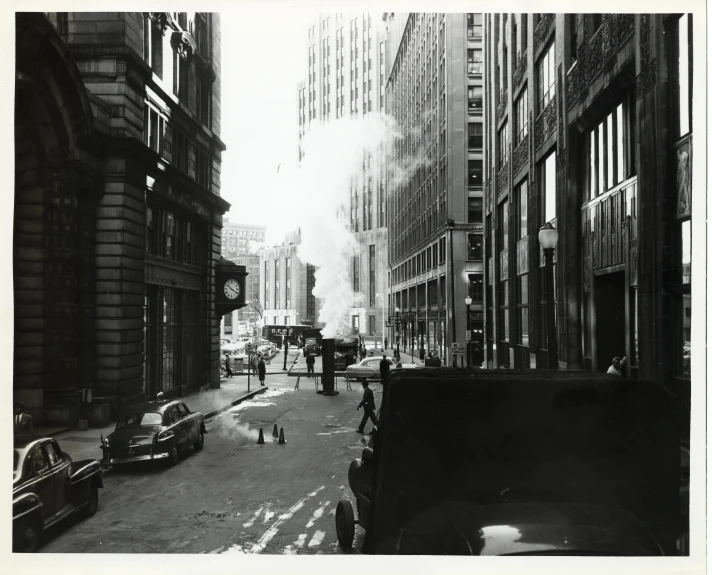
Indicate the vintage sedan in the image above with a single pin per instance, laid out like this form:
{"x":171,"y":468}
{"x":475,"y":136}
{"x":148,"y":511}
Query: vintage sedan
{"x":369,"y":368}
{"x":160,"y":429}
{"x":47,"y":486}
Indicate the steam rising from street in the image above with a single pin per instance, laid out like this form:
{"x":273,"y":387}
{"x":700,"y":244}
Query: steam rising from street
{"x":317,"y":196}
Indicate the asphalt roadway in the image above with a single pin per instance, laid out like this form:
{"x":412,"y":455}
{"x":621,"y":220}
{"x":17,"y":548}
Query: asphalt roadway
{"x":235,"y":496}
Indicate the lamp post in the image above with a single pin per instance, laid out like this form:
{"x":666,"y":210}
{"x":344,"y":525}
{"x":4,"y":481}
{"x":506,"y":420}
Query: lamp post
{"x":383,"y":318}
{"x":397,"y":331}
{"x":468,"y":302}
{"x":286,"y":349}
{"x":451,"y":229}
{"x":548,"y":239}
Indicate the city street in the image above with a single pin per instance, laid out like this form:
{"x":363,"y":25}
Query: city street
{"x":236,"y":496}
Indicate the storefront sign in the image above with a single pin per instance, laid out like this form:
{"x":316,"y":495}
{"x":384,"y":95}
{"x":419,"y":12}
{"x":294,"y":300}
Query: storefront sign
{"x":159,"y":275}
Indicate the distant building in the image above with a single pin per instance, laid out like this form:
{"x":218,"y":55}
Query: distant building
{"x":435,"y":213}
{"x":286,"y":285}
{"x":117,"y":208}
{"x":241,"y":239}
{"x":345,"y":77}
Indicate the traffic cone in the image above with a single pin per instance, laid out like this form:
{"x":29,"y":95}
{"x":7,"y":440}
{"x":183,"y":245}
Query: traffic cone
{"x":275,"y":434}
{"x":281,"y":436}
{"x":261,"y":438}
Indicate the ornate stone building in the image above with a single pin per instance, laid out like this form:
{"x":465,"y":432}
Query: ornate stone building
{"x":117,"y":208}
{"x":589,"y":126}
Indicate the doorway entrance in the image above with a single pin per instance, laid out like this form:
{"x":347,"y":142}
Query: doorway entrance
{"x":610,"y":328}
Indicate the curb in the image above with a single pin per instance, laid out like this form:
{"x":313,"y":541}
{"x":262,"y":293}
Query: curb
{"x":219,"y":410}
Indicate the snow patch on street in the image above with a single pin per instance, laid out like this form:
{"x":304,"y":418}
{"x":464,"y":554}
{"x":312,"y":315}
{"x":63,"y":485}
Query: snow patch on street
{"x":336,"y":431}
{"x":317,"y":539}
{"x":317,"y":514}
{"x":299,"y":543}
{"x":268,"y":517}
{"x":313,"y":493}
{"x":250,"y":522}
{"x":234,"y":549}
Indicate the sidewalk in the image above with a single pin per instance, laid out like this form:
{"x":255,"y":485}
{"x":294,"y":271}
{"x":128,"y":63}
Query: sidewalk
{"x":85,"y":444}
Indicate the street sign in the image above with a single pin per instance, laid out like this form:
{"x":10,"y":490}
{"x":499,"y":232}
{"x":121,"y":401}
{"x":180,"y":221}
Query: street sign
{"x":457,"y":348}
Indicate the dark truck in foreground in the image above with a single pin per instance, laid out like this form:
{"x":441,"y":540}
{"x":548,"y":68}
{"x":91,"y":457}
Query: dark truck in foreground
{"x":484,"y":463}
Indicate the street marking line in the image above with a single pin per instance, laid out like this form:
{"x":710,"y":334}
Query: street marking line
{"x":299,"y":543}
{"x":317,"y":514}
{"x":272,"y":531}
{"x":317,"y":539}
{"x":254,"y":518}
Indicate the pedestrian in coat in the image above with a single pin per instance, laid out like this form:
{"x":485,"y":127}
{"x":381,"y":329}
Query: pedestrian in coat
{"x":422,"y":354}
{"x":384,"y":367}
{"x":261,"y":371}
{"x":228,"y":364}
{"x":310,"y":363}
{"x":369,"y":407}
{"x":385,"y":343}
{"x":23,"y":421}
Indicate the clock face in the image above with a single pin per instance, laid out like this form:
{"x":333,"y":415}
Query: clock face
{"x":232,"y":289}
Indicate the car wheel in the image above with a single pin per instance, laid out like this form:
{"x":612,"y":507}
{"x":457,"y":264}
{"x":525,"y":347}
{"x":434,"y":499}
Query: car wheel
{"x":345,"y":523}
{"x":198,"y":445}
{"x":173,"y":456}
{"x":93,"y":503}
{"x":29,"y":537}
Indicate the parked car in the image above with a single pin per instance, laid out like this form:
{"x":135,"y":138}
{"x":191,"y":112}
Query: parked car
{"x":47,"y":486}
{"x":519,"y":463}
{"x":152,"y":430}
{"x":370,"y":368}
{"x":311,"y":345}
{"x":267,"y":350}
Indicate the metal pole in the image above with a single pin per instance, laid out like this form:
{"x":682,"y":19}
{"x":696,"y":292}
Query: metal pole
{"x":249,"y":369}
{"x":468,"y":342}
{"x":451,"y":227}
{"x":552,"y":346}
{"x":397,"y":334}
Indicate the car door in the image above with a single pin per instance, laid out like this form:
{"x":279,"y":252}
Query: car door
{"x":60,"y":470}
{"x":179,"y":426}
{"x":191,"y":423}
{"x":42,"y":482}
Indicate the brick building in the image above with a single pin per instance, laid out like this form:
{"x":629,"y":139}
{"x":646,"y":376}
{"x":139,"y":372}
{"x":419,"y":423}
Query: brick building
{"x":589,"y":126}
{"x":435,"y":213}
{"x":117,"y":208}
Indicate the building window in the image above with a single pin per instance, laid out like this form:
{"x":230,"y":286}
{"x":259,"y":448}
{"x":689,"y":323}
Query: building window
{"x":153,"y":46}
{"x":521,"y":198}
{"x":474,"y":136}
{"x":180,"y":151}
{"x":202,"y":39}
{"x":169,"y":329}
{"x":474,"y":99}
{"x":683,"y":85}
{"x":180,"y":77}
{"x":546,"y":78}
{"x":521,"y":118}
{"x":608,"y":151}
{"x":474,"y":26}
{"x":574,"y":36}
{"x":503,"y":144}
{"x":266,"y":274}
{"x":523,"y":306}
{"x":372,"y":276}
{"x":169,"y":236}
{"x":504,"y":310}
{"x":474,"y":61}
{"x":503,"y":216}
{"x":356,"y":285}
{"x":474,"y":168}
{"x":474,"y":210}
{"x":277,"y":276}
{"x":202,"y":168}
{"x":227,"y":323}
{"x":547,"y":184}
{"x":371,"y":325}
{"x":476,"y":291}
{"x":150,"y":232}
{"x":474,"y":247}
{"x":202,"y":100}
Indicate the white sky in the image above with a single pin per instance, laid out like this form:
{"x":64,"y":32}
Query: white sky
{"x":262,"y":61}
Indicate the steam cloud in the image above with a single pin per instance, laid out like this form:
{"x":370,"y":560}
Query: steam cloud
{"x":315,"y":197}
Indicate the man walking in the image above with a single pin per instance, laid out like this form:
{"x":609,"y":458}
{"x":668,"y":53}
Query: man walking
{"x":261,"y":371}
{"x":228,"y":364}
{"x":369,"y":407}
{"x":310,"y":363}
{"x":23,"y":421}
{"x":384,"y":366}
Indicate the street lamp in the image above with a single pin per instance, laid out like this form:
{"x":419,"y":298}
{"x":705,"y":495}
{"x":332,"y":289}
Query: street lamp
{"x":397,"y":331}
{"x":468,"y":303}
{"x":548,"y":239}
{"x":451,"y":228}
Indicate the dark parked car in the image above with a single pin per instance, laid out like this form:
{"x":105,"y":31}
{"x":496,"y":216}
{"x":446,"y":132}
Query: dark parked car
{"x":160,"y":429}
{"x":477,"y":463}
{"x":312,"y":346}
{"x":47,"y":486}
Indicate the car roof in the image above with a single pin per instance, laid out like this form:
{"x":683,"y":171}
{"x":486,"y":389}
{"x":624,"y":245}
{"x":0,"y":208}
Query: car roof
{"x":155,"y":406}
{"x":23,"y":442}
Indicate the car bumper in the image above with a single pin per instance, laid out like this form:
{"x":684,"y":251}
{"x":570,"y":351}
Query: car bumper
{"x":149,"y":457}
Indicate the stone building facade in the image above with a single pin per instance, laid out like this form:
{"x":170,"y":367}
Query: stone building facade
{"x":117,"y":209}
{"x":589,"y":126}
{"x":435,"y":212}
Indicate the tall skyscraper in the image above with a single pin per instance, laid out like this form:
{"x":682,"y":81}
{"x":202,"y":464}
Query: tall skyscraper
{"x":435,"y":213}
{"x":346,"y":73}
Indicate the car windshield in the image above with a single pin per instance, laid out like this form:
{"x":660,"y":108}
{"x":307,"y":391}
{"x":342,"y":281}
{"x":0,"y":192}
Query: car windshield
{"x":144,"y":419}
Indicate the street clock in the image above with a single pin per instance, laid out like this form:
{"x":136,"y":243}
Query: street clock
{"x":232,"y":289}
